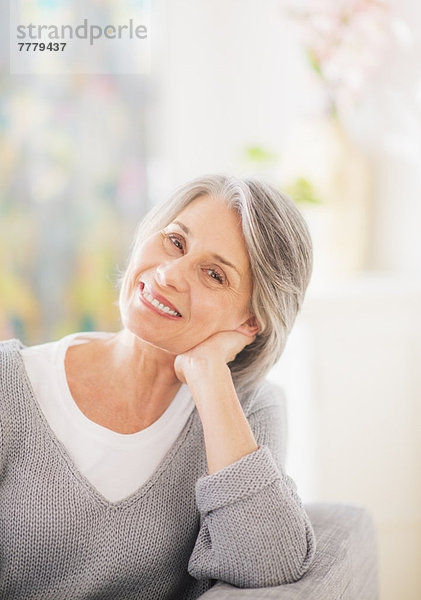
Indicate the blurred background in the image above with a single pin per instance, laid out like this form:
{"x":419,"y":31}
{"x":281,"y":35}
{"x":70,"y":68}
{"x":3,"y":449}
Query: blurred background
{"x":322,"y":98}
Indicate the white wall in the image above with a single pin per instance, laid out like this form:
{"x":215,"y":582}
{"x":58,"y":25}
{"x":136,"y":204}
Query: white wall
{"x":224,"y":80}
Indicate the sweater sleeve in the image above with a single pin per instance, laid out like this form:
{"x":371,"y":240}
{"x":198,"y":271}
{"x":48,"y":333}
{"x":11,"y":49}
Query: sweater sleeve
{"x":254,"y":531}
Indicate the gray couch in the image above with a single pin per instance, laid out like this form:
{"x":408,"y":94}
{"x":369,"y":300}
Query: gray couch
{"x":344,"y":568}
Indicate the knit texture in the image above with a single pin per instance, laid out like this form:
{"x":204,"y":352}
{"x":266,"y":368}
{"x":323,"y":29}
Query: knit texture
{"x":171,"y":539}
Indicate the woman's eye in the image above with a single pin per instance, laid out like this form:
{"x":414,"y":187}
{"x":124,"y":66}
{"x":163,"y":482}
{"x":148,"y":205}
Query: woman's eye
{"x":172,"y":240}
{"x":215,"y":275}
{"x":176,"y":242}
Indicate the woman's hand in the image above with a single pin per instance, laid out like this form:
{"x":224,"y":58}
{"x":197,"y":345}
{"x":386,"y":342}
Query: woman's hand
{"x":227,"y":433}
{"x":217,"y":350}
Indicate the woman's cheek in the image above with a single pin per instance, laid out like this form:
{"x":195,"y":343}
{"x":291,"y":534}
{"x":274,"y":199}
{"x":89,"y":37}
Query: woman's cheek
{"x":216,"y":317}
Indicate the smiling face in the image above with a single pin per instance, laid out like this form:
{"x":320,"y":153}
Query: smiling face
{"x":190,"y":280}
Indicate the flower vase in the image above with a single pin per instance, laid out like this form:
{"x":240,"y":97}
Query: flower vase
{"x":322,"y":153}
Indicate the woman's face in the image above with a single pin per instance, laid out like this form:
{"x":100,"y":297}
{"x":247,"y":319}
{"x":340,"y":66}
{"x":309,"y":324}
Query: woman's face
{"x":190,"y":280}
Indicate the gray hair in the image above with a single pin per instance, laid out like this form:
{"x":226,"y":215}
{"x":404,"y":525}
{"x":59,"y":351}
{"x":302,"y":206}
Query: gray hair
{"x":280,"y":253}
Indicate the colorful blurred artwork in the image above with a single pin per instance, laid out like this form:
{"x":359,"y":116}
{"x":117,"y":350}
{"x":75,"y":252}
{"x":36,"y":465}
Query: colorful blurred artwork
{"x":72,"y":189}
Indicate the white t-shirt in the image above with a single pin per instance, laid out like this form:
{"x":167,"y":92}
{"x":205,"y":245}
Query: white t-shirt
{"x":116,"y":464}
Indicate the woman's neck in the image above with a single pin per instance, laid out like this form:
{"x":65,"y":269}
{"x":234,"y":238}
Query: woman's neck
{"x":121,"y":382}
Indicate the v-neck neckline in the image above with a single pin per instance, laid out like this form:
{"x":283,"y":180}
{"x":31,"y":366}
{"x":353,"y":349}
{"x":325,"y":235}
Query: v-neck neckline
{"x":192,"y":422}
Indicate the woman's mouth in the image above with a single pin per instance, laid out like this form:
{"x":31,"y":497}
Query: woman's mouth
{"x":157,"y":302}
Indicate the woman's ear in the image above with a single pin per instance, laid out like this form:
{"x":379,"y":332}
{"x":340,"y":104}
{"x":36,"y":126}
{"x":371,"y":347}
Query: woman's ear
{"x":249,"y":327}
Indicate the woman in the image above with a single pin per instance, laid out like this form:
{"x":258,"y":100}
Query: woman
{"x":147,"y":463}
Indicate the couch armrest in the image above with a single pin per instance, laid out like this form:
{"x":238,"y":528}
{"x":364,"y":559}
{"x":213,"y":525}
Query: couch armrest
{"x":344,"y":567}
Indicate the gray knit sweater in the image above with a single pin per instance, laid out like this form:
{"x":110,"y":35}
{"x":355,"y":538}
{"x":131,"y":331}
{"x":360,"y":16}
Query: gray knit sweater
{"x":183,"y":529}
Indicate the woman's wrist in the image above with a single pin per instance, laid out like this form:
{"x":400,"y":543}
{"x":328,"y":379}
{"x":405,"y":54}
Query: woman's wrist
{"x":200,"y":370}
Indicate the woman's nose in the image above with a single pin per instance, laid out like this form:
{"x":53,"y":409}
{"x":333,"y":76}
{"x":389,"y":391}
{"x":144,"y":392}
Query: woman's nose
{"x":173,"y":274}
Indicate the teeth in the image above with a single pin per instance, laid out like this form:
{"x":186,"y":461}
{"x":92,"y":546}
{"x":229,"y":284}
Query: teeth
{"x":157,"y":304}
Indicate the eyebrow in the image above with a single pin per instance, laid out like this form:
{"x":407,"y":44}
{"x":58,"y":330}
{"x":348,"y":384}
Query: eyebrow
{"x":215,"y":256}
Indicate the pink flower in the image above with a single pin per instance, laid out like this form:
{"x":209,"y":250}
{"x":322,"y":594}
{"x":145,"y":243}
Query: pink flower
{"x":345,"y":40}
